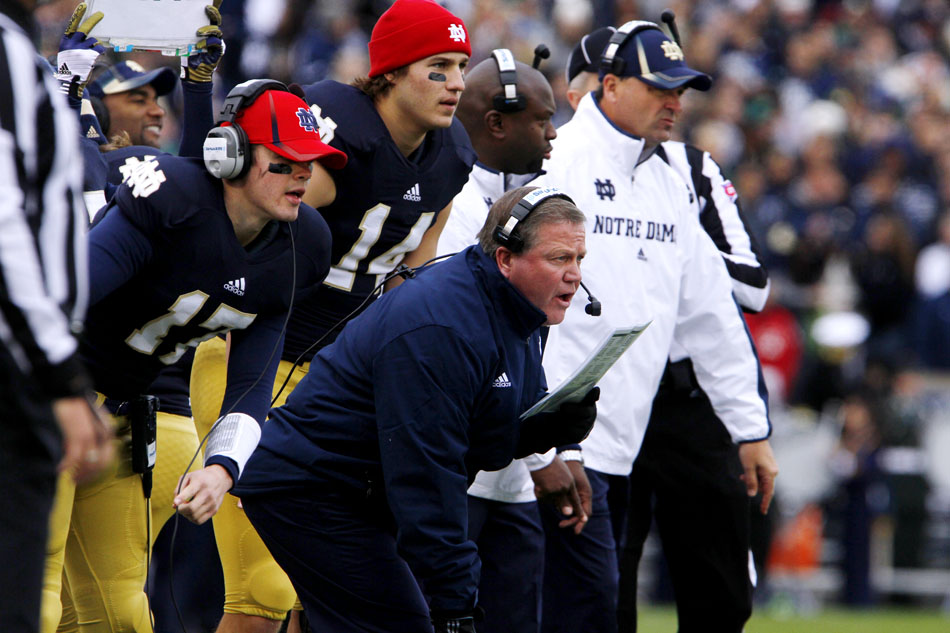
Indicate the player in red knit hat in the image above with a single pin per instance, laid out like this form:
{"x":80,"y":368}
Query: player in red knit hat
{"x":408,"y":158}
{"x":411,"y":30}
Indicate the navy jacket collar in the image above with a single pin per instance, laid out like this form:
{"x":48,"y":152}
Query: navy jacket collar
{"x":524,"y":317}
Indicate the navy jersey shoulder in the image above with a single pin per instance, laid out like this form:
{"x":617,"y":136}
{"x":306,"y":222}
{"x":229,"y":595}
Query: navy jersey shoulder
{"x":162,"y":191}
{"x":119,"y":161}
{"x":385,"y":202}
{"x":197,"y":279}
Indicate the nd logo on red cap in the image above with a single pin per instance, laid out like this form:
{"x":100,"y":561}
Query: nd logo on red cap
{"x":457,"y":32}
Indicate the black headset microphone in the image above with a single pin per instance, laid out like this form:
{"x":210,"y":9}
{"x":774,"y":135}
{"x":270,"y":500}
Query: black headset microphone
{"x":593,"y":305}
{"x":669,"y":18}
{"x":541,"y":52}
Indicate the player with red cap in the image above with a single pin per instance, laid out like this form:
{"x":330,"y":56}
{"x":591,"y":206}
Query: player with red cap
{"x":408,"y":158}
{"x":188,"y":251}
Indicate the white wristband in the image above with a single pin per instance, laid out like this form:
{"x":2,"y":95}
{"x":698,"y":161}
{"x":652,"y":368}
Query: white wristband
{"x":572,"y":456}
{"x":236,"y":436}
{"x":75,"y":63}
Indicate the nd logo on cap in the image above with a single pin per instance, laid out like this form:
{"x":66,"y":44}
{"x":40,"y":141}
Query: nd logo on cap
{"x":457,"y":32}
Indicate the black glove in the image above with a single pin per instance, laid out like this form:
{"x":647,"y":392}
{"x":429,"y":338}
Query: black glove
{"x":461,"y":624}
{"x":570,"y":424}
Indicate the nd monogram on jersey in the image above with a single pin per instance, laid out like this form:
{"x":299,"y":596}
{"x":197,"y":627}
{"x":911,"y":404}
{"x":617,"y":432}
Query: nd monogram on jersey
{"x":168,"y":272}
{"x":384,"y":203}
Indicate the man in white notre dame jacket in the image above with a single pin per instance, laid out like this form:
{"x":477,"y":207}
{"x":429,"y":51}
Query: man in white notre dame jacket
{"x":507,"y":113}
{"x":650,"y":260}
{"x":685,"y":479}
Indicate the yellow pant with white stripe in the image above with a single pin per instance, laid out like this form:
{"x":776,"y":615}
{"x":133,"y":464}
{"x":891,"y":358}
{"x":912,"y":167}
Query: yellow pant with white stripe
{"x":99,"y":534}
{"x":253,"y":582}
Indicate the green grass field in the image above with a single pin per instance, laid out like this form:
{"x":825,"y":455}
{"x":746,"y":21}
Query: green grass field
{"x":832,"y":620}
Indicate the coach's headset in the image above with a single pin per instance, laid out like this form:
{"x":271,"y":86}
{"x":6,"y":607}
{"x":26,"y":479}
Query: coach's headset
{"x":609,"y":62}
{"x":227,"y":150}
{"x":505,"y":234}
{"x":509,"y":100}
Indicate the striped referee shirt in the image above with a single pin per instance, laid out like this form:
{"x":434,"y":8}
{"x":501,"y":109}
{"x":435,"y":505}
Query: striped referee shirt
{"x":43,"y":267}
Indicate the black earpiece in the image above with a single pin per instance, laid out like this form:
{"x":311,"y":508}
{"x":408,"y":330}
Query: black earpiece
{"x":609,"y":61}
{"x":509,"y":100}
{"x":226,"y":150}
{"x":505,"y":234}
{"x":593,"y":305}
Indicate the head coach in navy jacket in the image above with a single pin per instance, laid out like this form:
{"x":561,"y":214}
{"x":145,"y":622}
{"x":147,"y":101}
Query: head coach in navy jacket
{"x":358,"y":486}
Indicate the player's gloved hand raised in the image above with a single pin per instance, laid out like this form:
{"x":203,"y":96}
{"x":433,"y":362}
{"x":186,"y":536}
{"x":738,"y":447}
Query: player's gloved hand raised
{"x":570,"y":424}
{"x":459,"y":624}
{"x":199,"y":68}
{"x":78,"y":51}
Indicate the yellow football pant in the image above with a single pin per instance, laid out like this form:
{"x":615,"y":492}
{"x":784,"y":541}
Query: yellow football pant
{"x":253,"y":582}
{"x":99,"y":534}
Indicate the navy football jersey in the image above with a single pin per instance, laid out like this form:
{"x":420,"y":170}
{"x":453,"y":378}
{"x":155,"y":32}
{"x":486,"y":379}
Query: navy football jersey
{"x":384,"y":204}
{"x":168,"y":272}
{"x":172,"y":384}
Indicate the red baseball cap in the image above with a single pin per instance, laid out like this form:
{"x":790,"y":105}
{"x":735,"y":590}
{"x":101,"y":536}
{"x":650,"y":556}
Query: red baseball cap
{"x":281,"y":121}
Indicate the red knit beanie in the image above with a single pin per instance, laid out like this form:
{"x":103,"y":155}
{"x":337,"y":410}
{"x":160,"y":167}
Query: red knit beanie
{"x":411,"y":30}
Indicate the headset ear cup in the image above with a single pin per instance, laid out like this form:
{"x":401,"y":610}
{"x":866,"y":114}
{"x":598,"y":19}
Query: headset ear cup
{"x":102,"y":114}
{"x":512,"y":242}
{"x":233,"y":162}
{"x":245,"y":157}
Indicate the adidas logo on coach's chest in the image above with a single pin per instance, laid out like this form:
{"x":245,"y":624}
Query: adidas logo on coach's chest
{"x":502,"y":381}
{"x":413,"y":194}
{"x":236,"y":286}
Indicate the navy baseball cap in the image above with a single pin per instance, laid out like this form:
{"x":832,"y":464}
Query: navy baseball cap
{"x":653,"y":58}
{"x":127,"y":75}
{"x":586,"y":54}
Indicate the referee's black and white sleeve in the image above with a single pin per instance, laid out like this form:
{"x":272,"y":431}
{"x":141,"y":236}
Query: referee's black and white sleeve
{"x":720,"y":214}
{"x":43,"y":262}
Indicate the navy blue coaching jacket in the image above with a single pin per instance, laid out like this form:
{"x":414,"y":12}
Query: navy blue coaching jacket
{"x":415,"y":396}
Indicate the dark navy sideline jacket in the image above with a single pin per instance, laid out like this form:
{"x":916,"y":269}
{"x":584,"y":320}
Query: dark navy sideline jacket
{"x":417,"y":394}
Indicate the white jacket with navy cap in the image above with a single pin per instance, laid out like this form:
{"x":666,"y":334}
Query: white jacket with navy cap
{"x":648,"y":259}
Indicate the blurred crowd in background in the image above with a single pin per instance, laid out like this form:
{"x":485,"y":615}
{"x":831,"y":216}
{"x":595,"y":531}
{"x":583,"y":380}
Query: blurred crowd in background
{"x":832,"y":118}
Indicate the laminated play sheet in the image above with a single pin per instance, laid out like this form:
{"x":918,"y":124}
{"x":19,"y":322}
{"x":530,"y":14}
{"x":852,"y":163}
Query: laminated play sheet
{"x":591,"y":370}
{"x":156,"y":25}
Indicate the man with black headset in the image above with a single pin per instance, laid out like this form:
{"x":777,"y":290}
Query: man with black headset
{"x":682,"y":458}
{"x":653,"y":262}
{"x":358,"y":487}
{"x":186,"y":251}
{"x":408,"y":157}
{"x":507,"y":113}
